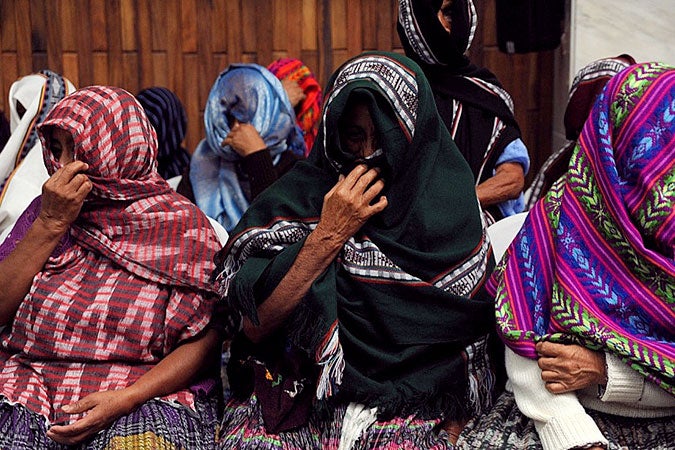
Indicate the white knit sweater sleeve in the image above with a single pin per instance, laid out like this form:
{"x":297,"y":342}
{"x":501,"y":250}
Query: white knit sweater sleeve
{"x":560,"y":420}
{"x":625,"y":385}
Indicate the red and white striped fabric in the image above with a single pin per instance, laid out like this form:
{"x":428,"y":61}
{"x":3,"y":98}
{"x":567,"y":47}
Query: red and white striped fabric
{"x":133,"y":284}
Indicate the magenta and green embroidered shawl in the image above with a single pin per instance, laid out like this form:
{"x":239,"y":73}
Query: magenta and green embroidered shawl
{"x":594,"y":260}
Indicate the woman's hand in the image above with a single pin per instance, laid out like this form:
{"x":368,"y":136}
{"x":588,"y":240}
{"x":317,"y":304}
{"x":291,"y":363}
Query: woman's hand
{"x":102,"y":408}
{"x":348,"y":206}
{"x":244,"y":139}
{"x":63,"y":195}
{"x":173,"y":372}
{"x":294,"y":91}
{"x":566,"y":368}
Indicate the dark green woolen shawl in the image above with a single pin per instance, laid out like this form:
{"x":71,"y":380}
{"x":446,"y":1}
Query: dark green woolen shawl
{"x":402,"y":340}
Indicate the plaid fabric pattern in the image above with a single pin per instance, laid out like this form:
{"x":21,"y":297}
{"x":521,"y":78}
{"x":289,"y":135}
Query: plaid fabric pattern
{"x":159,"y":235}
{"x":131,"y":281}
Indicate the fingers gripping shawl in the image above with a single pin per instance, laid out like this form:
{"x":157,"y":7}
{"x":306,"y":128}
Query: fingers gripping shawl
{"x":594,"y":260}
{"x":388,"y":321}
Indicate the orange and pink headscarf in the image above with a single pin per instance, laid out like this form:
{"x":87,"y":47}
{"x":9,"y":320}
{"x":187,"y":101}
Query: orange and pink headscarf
{"x":308,"y":111}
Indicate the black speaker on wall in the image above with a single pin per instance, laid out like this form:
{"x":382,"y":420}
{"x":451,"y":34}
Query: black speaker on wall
{"x":525,"y":26}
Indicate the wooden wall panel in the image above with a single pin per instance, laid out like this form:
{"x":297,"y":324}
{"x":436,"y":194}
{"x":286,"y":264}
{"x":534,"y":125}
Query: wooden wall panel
{"x":23,"y":39}
{"x":184,"y":44}
{"x":8,"y":30}
{"x":216,"y":16}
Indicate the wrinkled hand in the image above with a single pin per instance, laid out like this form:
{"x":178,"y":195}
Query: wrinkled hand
{"x":244,"y":139}
{"x":63,"y":195}
{"x":294,"y":91}
{"x":103,"y":409}
{"x":347,"y":206}
{"x":567,"y":368}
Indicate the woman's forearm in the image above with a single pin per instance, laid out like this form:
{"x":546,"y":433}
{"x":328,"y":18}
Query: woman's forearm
{"x":316,"y":254}
{"x":506,"y":184}
{"x":176,"y":370}
{"x":346,"y":207}
{"x":20,"y":267}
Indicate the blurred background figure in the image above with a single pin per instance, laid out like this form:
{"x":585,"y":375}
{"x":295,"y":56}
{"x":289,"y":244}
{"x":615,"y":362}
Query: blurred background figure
{"x":22,"y":169}
{"x":305,"y":95}
{"x":475,"y":108}
{"x":167,"y":116}
{"x":251,"y":139}
{"x":587,"y":84}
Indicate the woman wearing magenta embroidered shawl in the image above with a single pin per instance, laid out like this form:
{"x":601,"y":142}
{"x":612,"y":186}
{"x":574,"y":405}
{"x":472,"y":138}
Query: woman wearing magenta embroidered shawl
{"x":589,"y":282}
{"x":377,"y":333}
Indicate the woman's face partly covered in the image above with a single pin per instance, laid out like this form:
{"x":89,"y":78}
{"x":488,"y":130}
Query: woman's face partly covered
{"x":357,"y":131}
{"x":62,"y":146}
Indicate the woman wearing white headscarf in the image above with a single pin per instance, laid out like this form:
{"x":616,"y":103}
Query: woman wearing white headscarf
{"x":22,"y":169}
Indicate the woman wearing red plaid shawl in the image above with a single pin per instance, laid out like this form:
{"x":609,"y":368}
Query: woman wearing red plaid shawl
{"x":106,"y":299}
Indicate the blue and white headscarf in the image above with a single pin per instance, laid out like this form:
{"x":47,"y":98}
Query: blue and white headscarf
{"x":251,"y":94}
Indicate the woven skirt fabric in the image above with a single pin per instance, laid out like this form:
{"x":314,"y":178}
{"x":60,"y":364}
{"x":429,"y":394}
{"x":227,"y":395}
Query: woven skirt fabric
{"x":154,"y":425}
{"x":243,"y":428}
{"x":506,"y":428}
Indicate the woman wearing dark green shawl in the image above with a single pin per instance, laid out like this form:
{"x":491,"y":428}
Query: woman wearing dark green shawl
{"x":360,"y":278}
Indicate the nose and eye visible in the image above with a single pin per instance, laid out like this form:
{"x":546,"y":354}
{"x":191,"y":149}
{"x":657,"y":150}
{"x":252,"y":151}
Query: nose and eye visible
{"x":357,"y":131}
{"x":62,"y":146}
{"x":360,"y":142}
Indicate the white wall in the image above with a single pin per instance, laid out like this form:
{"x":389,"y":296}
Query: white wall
{"x":644,"y":29}
{"x":597,"y":29}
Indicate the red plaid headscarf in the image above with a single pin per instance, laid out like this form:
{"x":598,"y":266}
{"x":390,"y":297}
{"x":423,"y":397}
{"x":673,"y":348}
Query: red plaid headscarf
{"x":159,"y":236}
{"x":308,"y":112}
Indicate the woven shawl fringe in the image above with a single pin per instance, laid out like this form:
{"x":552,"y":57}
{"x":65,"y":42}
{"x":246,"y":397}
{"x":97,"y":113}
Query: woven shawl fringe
{"x":330,"y":358}
{"x":452,"y":405}
{"x":358,"y":418}
{"x":469,"y":398}
{"x":306,"y":332}
{"x":481,"y":378}
{"x":481,"y":385}
{"x":243,"y":301}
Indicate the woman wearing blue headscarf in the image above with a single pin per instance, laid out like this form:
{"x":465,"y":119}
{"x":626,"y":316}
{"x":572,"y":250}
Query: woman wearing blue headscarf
{"x":251,"y":139}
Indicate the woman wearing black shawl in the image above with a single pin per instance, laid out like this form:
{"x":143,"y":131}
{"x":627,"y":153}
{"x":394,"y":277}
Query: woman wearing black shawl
{"x":360,"y":278}
{"x":477,"y":111}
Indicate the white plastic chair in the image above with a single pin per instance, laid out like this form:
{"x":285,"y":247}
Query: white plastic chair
{"x":503,"y":232}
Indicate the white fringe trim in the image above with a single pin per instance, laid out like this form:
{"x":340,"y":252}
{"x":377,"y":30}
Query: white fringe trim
{"x":481,"y":378}
{"x":358,"y":418}
{"x":332,"y":362}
